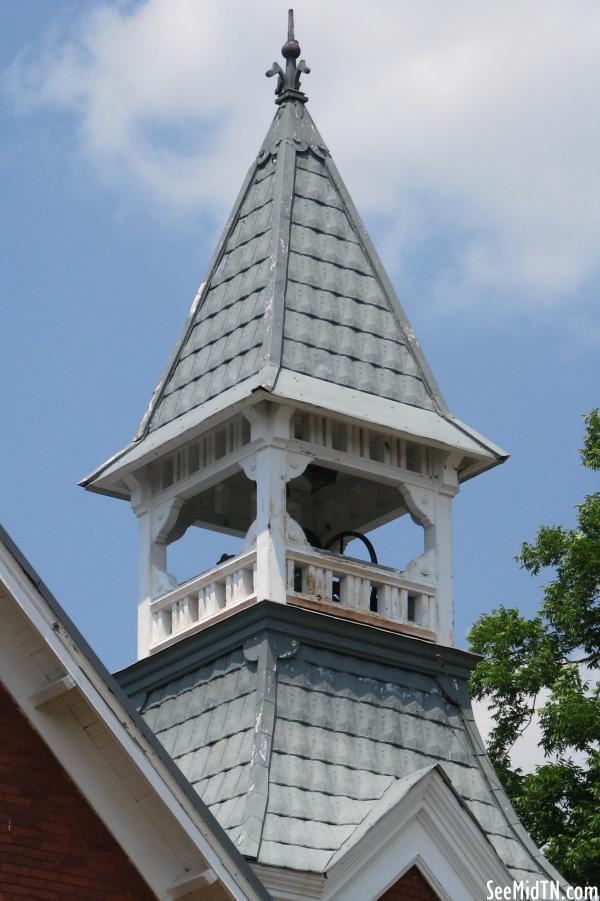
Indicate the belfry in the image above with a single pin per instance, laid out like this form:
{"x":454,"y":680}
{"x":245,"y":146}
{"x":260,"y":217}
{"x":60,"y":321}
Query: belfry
{"x":314,"y":700}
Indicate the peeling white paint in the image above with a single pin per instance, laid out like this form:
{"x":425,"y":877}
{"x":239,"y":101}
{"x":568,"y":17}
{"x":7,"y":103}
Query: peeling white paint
{"x":196,"y":299}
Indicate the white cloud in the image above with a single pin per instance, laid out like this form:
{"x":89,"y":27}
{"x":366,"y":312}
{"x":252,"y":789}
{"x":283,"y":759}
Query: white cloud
{"x":469,"y":124}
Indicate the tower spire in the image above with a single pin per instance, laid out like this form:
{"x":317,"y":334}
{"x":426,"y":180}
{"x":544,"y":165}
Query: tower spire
{"x":288,"y":82}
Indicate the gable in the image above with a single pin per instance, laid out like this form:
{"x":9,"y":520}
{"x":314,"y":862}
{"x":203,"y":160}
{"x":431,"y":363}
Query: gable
{"x":52,"y":839}
{"x":118,"y":767}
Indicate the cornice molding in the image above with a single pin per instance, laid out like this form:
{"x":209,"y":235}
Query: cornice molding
{"x":307,"y":626}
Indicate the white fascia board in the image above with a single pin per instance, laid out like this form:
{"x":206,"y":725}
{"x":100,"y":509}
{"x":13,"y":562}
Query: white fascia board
{"x":117,"y":719}
{"x":166,"y":438}
{"x":325,"y":397}
{"x":93,"y":775}
{"x":425,"y":823}
{"x":380,"y":411}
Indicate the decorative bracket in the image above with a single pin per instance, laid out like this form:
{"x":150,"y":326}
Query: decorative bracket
{"x":164,"y":518}
{"x":420,"y":502}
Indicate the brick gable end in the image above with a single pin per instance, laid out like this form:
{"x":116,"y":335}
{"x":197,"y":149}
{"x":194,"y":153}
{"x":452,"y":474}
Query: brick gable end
{"x":53,"y":846}
{"x":411,"y":887}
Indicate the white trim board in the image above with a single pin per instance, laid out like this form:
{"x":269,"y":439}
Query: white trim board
{"x":308,"y":392}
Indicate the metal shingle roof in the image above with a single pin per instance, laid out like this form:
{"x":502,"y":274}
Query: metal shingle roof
{"x":294,"y":258}
{"x":346,"y":730}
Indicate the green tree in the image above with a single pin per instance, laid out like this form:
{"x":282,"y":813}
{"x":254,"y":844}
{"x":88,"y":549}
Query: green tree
{"x":545,"y":665}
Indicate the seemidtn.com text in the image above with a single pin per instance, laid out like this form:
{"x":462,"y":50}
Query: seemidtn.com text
{"x":542,"y":890}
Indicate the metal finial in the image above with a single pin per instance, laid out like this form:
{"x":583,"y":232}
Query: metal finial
{"x":288,"y":82}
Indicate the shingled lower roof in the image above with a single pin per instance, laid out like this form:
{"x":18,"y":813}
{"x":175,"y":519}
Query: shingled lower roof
{"x":294,"y":742}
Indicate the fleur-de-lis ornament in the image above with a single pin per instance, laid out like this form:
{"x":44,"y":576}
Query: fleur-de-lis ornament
{"x":288,"y":82}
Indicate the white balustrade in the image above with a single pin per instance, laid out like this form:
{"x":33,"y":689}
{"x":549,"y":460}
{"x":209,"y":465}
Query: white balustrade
{"x":358,"y":585}
{"x":311,"y":574}
{"x":202,"y":597}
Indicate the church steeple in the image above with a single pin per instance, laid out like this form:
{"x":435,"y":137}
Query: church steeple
{"x":296,"y":409}
{"x":313,"y":700}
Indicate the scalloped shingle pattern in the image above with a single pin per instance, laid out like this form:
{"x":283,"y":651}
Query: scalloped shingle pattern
{"x":345,"y":731}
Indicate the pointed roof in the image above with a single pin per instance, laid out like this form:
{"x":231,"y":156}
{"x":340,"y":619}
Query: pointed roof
{"x":295,"y":286}
{"x":295,"y":292}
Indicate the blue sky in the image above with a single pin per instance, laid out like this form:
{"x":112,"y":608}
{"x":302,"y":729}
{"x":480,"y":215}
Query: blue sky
{"x":470,"y":144}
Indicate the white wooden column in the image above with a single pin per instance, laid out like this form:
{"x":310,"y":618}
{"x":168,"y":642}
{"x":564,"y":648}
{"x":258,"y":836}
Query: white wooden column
{"x":153,"y":578}
{"x":271,"y":467}
{"x":432,"y":509}
{"x":443,"y":541}
{"x":269,"y":470}
{"x":443,"y":538}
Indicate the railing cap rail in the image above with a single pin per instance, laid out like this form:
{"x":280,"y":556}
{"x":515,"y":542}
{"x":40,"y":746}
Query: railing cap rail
{"x":381,"y":575}
{"x":216,"y":574}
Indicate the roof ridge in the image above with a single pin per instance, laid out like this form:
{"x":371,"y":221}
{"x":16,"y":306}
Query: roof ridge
{"x":283,"y":192}
{"x":265,"y":651}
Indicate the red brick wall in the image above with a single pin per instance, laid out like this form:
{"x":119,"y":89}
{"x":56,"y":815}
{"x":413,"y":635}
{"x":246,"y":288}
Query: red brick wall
{"x":410,"y":887}
{"x":53,"y":847}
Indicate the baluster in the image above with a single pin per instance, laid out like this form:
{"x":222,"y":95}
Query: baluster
{"x":355,"y":592}
{"x":401,"y":453}
{"x":162,"y":624}
{"x":239,"y":586}
{"x":315,"y":431}
{"x":317,"y":581}
{"x":188,"y":610}
{"x":210,"y":448}
{"x":388,"y":449}
{"x":236,"y":429}
{"x":175,"y":617}
{"x":389,"y":602}
{"x":229,"y":589}
{"x":290,"y":575}
{"x":320,"y":582}
{"x":354,"y":445}
{"x":202,"y":612}
{"x":403,"y":612}
{"x":215,"y":598}
{"x":431,"y":613}
{"x":422,"y":610}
